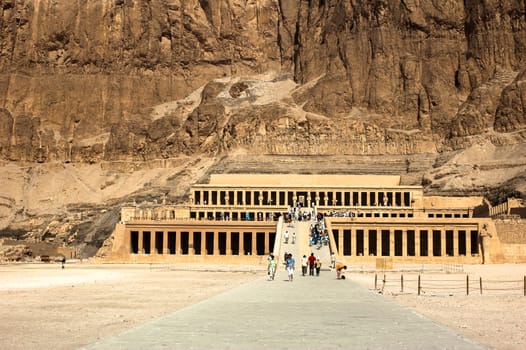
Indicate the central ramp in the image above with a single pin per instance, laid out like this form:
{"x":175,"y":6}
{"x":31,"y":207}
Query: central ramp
{"x":308,"y":313}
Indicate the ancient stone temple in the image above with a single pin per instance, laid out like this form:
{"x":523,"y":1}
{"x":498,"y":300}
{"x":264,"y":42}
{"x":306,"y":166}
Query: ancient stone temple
{"x":241,"y":218}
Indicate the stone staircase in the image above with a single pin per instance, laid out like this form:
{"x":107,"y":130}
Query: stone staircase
{"x":301,"y":246}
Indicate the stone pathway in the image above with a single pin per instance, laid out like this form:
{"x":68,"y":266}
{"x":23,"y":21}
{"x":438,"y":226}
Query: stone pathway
{"x":309,"y":313}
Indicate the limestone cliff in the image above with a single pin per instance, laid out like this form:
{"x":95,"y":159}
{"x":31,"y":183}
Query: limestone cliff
{"x":75,"y":76}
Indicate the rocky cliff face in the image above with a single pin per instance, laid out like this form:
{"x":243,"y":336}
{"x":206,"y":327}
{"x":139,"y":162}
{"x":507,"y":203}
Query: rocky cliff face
{"x":127,"y":81}
{"x":78,"y":80}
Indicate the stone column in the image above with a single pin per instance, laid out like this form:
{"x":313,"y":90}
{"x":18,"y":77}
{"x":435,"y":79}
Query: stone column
{"x":365,"y":242}
{"x":254,"y":243}
{"x":241,"y":243}
{"x":354,"y":234}
{"x":340,"y":242}
{"x":317,"y":199}
{"x":191,"y":249}
{"x":455,"y":242}
{"x":165,"y":243}
{"x":326,"y":199}
{"x":378,"y":242}
{"x":228,"y":242}
{"x":140,"y":244}
{"x":216,"y":243}
{"x":442,"y":243}
{"x":178,"y":250}
{"x":468,"y":243}
{"x":404,"y":242}
{"x":244,"y":199}
{"x":359,"y":198}
{"x":153,"y":249}
{"x":430,"y":243}
{"x":267,"y":243}
{"x":391,"y":242}
{"x":417,"y":242}
{"x":203,"y":243}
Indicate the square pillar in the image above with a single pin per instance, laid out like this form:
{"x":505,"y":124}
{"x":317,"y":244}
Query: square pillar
{"x":228,"y":242}
{"x":153,"y":249}
{"x":340,"y":242}
{"x":216,"y":243}
{"x":404,"y":242}
{"x":442,"y":243}
{"x":267,"y":243}
{"x":365,"y":242}
{"x":191,"y":249}
{"x":241,"y":243}
{"x":430,"y":242}
{"x":178,"y":243}
{"x":378,"y":241}
{"x":203,"y":243}
{"x":354,"y":233}
{"x":254,"y":243}
{"x":140,"y":244}
{"x":165,"y":243}
{"x":455,"y":242}
{"x":468,"y":242}
{"x":391,"y":243}
{"x":417,"y":242}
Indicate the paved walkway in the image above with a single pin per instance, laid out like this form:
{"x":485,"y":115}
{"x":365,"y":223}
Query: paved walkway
{"x":308,"y":313}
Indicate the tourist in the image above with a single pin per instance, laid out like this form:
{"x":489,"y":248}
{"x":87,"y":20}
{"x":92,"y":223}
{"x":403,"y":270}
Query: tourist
{"x":333,"y":260}
{"x":286,"y":237}
{"x":318,"y":267}
{"x":312,"y":260}
{"x":271,"y":268}
{"x":293,"y":237}
{"x":304,"y":263}
{"x":63,"y":262}
{"x":339,"y":270}
{"x":290,"y":267}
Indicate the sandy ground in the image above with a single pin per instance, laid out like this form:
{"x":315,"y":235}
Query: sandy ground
{"x":46,"y":307}
{"x":495,"y":318}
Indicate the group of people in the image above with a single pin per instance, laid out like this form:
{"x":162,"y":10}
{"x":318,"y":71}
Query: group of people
{"x":312,"y":264}
{"x":289,"y":263}
{"x":318,"y":233}
{"x":287,"y":235}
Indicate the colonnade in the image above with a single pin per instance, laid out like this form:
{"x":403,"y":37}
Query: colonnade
{"x":306,"y":197}
{"x":203,"y":242}
{"x":420,"y":241}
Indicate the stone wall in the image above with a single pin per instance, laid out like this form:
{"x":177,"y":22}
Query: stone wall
{"x":512,"y":236}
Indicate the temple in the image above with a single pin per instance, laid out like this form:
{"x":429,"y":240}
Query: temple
{"x":241,"y":218}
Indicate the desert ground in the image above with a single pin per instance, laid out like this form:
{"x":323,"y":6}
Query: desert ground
{"x":46,"y":307}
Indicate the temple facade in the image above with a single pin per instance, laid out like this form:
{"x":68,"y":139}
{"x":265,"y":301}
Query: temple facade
{"x":240,"y":218}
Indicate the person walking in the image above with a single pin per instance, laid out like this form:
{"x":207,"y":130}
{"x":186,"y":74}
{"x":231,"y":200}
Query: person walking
{"x":290,"y":267}
{"x":333,"y":260}
{"x":286,"y":237}
{"x":271,"y":268}
{"x":318,"y":267}
{"x":312,"y":260}
{"x":304,"y":263}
